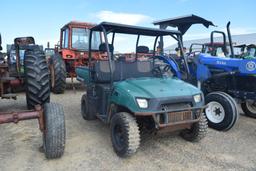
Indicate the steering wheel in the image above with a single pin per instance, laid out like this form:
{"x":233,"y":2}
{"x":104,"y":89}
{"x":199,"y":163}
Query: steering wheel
{"x":171,"y":65}
{"x":157,"y":71}
{"x":162,"y":70}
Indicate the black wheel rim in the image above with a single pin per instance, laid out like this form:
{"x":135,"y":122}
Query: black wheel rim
{"x":118,"y":136}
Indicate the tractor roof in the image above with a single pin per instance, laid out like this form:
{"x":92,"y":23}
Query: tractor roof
{"x":184,"y":22}
{"x":129,"y":29}
{"x":79,"y":24}
{"x":24,"y":40}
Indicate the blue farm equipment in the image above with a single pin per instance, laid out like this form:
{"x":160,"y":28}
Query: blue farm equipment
{"x":229,"y":74}
{"x":221,"y":78}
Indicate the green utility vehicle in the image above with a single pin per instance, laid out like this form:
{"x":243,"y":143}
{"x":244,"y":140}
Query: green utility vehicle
{"x":137,"y":95}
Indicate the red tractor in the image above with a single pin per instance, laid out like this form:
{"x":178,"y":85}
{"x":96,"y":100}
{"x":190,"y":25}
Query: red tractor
{"x":26,"y":66}
{"x":73,"y":51}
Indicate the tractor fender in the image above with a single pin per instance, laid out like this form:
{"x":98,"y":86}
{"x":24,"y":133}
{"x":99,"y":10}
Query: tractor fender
{"x":202,"y":72}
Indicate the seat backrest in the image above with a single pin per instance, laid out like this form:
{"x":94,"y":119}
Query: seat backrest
{"x":137,"y":69}
{"x":103,"y":48}
{"x":101,"y":71}
{"x":142,"y":49}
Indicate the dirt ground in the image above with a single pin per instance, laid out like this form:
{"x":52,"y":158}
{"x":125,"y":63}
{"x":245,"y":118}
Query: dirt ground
{"x":88,"y":145}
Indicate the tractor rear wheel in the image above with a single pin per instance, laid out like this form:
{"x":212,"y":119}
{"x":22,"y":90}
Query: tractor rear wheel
{"x":249,"y":108}
{"x":58,"y":74}
{"x":36,"y":78}
{"x":125,"y":134}
{"x":55,"y":133}
{"x":197,"y":131}
{"x":221,"y":113}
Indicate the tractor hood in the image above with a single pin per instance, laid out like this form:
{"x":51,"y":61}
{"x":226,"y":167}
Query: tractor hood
{"x":157,"y":87}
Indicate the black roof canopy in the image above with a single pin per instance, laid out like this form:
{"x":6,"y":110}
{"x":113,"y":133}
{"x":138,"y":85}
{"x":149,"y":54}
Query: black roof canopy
{"x":129,"y":29}
{"x":183,"y":23}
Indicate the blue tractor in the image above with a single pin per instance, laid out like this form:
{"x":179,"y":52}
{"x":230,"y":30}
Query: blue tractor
{"x":222,"y":78}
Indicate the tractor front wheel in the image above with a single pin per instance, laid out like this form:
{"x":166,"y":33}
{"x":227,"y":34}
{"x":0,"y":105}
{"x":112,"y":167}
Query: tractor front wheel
{"x":249,"y":108}
{"x":58,"y":74}
{"x":125,"y":134}
{"x":221,"y":112}
{"x":36,"y":78}
{"x":54,"y":133}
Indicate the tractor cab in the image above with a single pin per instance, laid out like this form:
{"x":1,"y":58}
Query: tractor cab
{"x":131,"y":92}
{"x":16,"y":54}
{"x":74,"y":40}
{"x":72,"y":52}
{"x":49,"y":52}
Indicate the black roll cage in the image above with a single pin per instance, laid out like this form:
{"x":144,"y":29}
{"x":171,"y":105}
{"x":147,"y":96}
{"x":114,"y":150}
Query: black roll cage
{"x":106,"y":28}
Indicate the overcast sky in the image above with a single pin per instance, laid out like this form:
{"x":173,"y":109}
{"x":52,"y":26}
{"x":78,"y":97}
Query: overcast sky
{"x":43,"y":19}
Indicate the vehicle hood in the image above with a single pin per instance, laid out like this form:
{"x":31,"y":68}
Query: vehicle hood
{"x":157,"y":87}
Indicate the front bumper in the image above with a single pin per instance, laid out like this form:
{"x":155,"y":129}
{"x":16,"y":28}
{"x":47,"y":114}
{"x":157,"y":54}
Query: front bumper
{"x":174,"y":117}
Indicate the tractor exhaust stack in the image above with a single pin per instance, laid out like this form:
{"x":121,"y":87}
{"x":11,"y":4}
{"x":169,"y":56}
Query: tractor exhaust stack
{"x":230,"y":40}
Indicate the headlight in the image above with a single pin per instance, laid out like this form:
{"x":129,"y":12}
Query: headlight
{"x":143,"y":103}
{"x":197,"y":98}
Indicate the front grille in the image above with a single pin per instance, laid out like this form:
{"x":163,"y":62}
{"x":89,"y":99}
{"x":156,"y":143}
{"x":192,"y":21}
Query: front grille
{"x":179,"y":116}
{"x":175,"y":106}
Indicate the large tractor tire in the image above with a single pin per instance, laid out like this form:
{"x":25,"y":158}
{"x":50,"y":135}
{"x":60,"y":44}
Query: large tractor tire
{"x":125,"y":134}
{"x":36,"y":78}
{"x":86,"y":112}
{"x":221,"y":112}
{"x":197,"y":131}
{"x":58,"y":74}
{"x":249,"y":108}
{"x":236,"y":110}
{"x":55,"y":134}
